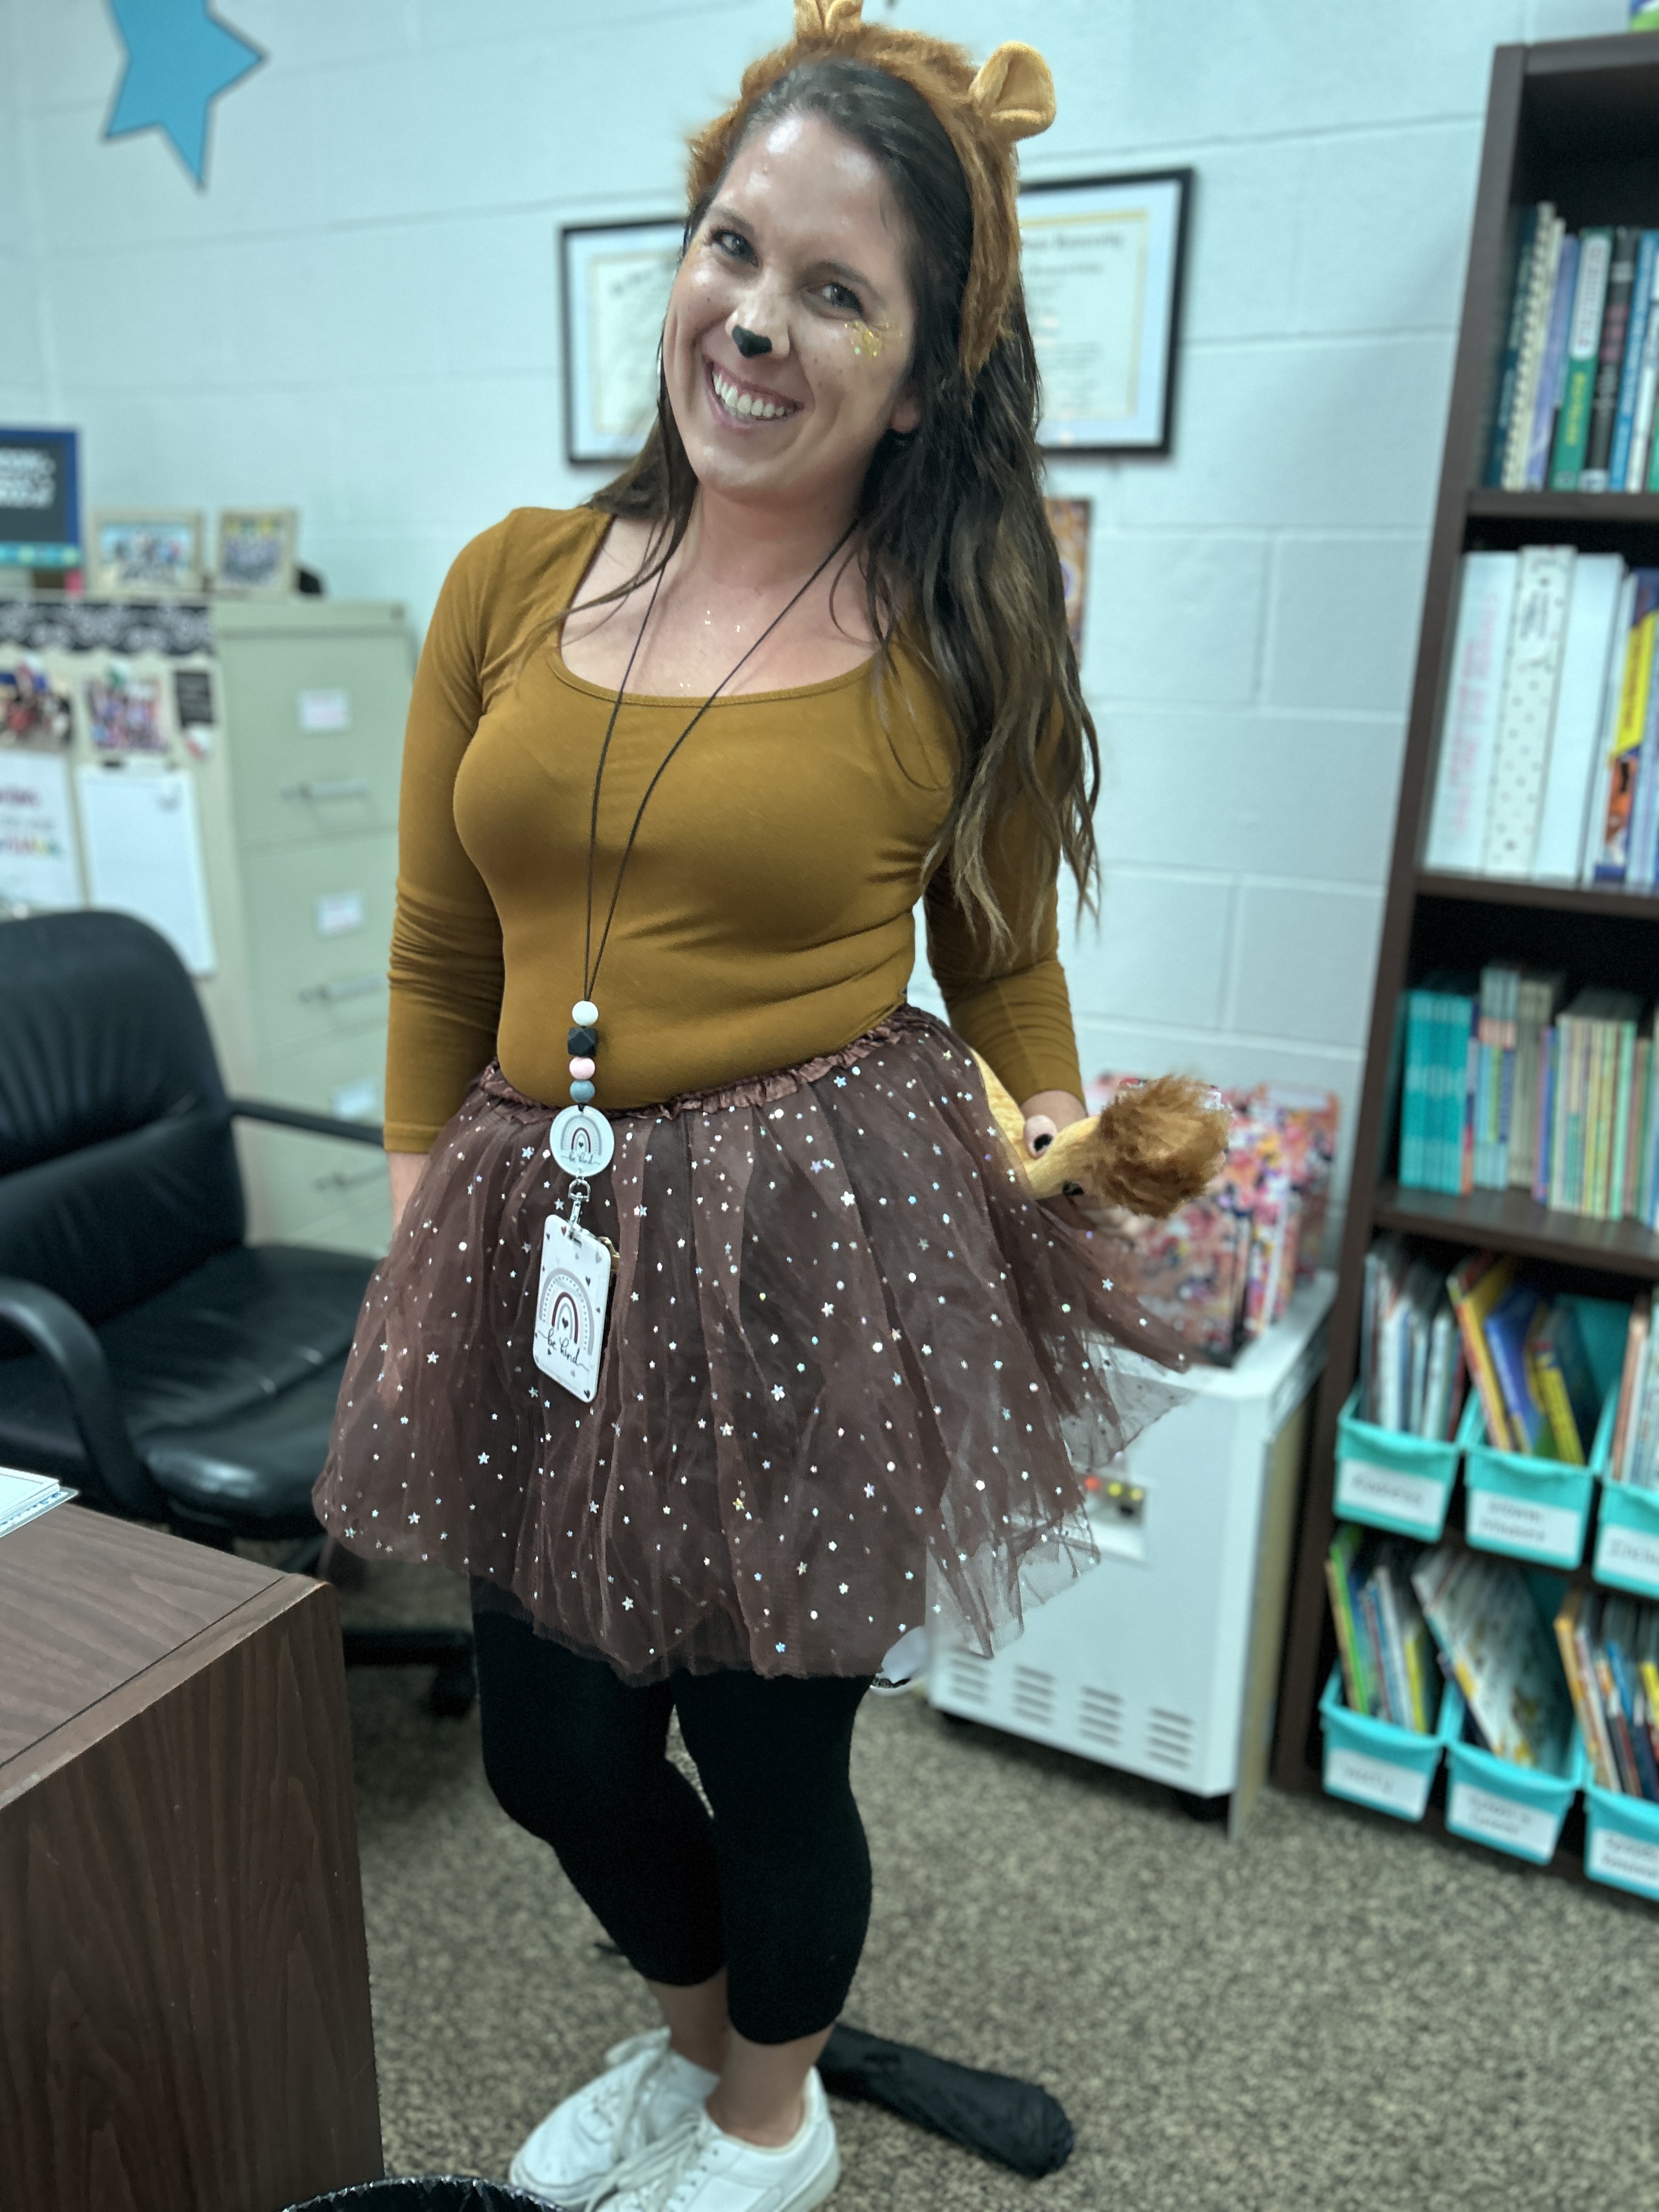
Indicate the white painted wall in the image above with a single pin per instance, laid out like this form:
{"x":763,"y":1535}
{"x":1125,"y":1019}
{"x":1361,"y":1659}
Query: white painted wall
{"x":359,"y":317}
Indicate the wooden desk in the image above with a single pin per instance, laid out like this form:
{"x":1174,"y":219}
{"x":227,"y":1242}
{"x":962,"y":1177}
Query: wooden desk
{"x":184,"y":1983}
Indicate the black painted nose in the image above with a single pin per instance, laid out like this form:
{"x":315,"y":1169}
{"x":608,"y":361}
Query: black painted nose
{"x":750,"y":343}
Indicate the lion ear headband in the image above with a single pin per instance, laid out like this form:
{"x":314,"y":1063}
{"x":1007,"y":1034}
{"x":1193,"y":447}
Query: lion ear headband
{"x":984,"y":113}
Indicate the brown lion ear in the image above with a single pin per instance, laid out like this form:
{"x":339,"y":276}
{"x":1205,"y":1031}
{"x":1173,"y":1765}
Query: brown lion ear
{"x":827,"y":19}
{"x":1014,"y":91}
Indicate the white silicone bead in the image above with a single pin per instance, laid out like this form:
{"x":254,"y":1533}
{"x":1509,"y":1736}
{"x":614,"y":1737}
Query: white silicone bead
{"x":586,"y":1012}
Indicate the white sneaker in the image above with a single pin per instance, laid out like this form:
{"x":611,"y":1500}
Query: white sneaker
{"x":646,"y":2091}
{"x":700,"y":2168}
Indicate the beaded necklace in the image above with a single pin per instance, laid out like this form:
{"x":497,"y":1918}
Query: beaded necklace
{"x":573,"y":1303}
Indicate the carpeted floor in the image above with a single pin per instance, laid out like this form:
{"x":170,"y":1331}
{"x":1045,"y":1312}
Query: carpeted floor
{"x":1332,"y":2012}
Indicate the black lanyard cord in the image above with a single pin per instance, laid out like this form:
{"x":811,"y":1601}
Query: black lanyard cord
{"x":590,"y":978}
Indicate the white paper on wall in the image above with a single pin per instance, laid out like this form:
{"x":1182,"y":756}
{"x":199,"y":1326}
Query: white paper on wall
{"x":144,"y":855}
{"x":39,"y":866}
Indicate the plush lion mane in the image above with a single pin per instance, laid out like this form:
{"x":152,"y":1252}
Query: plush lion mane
{"x":1156,"y":1145}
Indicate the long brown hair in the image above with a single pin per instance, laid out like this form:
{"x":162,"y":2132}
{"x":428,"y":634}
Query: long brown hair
{"x":950,"y":517}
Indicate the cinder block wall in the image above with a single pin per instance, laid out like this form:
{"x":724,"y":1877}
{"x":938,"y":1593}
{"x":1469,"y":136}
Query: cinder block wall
{"x":360,"y":316}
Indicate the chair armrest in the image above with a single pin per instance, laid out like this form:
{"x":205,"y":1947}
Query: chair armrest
{"x":69,"y":1348}
{"x":316,"y":1125}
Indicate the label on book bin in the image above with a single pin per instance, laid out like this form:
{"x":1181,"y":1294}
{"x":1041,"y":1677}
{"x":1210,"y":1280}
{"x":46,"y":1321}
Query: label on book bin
{"x":1364,"y":1487}
{"x":1614,"y":1857}
{"x":1491,"y":1819}
{"x":1630,"y":1553}
{"x":1516,"y":1524}
{"x":1377,"y":1782}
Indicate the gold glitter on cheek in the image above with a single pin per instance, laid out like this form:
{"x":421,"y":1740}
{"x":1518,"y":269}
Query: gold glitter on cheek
{"x":866,"y":344}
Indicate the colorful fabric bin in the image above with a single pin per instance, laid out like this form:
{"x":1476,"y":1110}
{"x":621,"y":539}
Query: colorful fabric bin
{"x":1627,"y":1538}
{"x":1373,"y":1763}
{"x":1387,"y":1479}
{"x":1517,"y":1809}
{"x":1621,"y":1841}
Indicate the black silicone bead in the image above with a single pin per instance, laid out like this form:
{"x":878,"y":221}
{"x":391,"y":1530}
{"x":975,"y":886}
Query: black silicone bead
{"x":582,"y":1044}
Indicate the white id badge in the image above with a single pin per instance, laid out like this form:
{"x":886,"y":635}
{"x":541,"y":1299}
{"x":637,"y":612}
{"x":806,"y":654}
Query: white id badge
{"x":571,"y":1306}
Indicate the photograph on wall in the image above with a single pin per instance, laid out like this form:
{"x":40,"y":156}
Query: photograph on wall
{"x":135,"y":552}
{"x":34,"y":709}
{"x":256,"y":551}
{"x":124,"y":714}
{"x":1102,"y":264}
{"x":1069,"y":520}
{"x":617,"y":279}
{"x":39,"y":863}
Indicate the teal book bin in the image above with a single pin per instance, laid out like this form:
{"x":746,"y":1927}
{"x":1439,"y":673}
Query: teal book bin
{"x":1627,"y":1538}
{"x":1388,"y":1479}
{"x":1621,"y":1841}
{"x":1491,"y":1800}
{"x":1373,"y":1762}
{"x":1539,"y":1510}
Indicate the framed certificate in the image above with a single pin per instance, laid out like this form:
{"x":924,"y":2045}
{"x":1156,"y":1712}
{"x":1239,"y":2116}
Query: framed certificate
{"x":1102,"y":262}
{"x":617,"y":279}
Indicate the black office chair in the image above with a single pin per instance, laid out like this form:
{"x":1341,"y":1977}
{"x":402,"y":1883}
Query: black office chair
{"x":176,"y":1374}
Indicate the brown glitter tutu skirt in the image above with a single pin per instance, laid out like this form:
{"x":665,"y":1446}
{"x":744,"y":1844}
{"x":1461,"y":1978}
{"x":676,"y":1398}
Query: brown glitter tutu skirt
{"x":854,"y":1381}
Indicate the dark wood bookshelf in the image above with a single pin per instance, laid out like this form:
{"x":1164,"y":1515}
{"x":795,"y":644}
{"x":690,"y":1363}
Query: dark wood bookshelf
{"x":1575,"y":122}
{"x":1622,"y":508}
{"x":1559,"y":898}
{"x":1510,"y":1221}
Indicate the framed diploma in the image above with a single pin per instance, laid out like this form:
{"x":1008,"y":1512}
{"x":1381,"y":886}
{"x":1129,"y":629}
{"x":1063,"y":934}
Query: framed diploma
{"x":617,"y":279}
{"x":1102,"y":268}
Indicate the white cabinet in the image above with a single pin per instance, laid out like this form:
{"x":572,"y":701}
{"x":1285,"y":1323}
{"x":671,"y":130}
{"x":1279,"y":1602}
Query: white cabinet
{"x":1165,"y":1658}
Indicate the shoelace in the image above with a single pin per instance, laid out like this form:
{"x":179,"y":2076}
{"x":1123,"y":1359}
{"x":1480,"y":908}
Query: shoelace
{"x":652,"y":2172}
{"x":621,"y":2107}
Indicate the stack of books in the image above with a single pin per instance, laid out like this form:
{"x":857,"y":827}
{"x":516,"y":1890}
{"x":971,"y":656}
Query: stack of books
{"x":1503,"y":1088}
{"x":1580,"y":362}
{"x":1609,"y":1651}
{"x":1548,"y":766}
{"x":1412,"y":1373}
{"x":1634,"y":1454}
{"x":1224,"y":1269}
{"x":1388,"y":1662}
{"x":1494,"y":1643}
{"x":1527,"y":1358}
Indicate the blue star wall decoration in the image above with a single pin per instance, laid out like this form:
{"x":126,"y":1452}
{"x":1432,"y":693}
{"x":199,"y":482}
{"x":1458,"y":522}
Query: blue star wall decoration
{"x":179,"y":59}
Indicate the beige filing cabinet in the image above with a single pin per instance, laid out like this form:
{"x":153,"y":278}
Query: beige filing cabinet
{"x":300,"y":836}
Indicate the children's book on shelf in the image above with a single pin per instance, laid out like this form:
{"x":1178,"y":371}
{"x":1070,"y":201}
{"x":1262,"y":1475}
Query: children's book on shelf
{"x":1524,"y":1352}
{"x":1575,"y":400}
{"x":1224,"y":1268}
{"x":1548,"y":761}
{"x":1608,"y":1648}
{"x":1413,"y":1375}
{"x":1387,"y":1665}
{"x":1503,"y":1087}
{"x":1495,"y":1645}
{"x":1634,"y":1454}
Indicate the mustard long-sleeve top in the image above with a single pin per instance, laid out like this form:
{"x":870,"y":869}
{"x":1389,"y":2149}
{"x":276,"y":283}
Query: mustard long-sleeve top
{"x":766,"y":911}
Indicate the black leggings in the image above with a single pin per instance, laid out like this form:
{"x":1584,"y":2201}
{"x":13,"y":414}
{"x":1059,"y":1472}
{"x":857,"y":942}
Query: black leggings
{"x":776,"y":1888}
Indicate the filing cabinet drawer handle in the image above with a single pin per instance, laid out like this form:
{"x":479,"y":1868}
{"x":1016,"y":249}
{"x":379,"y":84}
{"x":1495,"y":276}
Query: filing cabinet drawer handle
{"x":350,"y":987}
{"x":349,"y":1178}
{"x":344,"y":786}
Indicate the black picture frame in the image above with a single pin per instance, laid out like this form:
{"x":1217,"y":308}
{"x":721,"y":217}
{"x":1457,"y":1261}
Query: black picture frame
{"x":1160,"y":200}
{"x":611,"y":326}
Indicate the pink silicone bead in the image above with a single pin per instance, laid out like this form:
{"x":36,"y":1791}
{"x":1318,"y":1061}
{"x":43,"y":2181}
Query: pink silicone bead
{"x":582,"y":1070}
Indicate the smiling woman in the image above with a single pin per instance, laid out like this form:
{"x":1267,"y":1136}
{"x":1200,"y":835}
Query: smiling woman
{"x":683,"y":762}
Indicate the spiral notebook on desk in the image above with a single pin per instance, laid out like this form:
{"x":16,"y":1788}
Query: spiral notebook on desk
{"x":24,"y":1496}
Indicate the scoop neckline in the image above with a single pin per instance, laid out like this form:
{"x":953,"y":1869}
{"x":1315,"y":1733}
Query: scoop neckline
{"x":569,"y":675}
